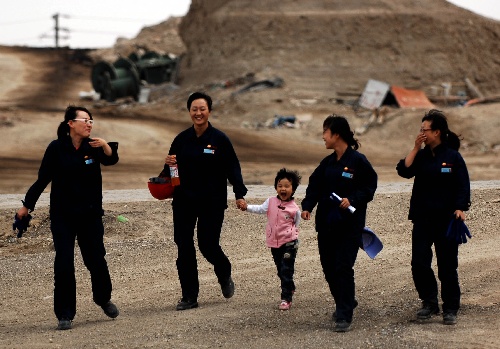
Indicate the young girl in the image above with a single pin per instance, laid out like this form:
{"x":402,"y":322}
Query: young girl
{"x":283,"y":217}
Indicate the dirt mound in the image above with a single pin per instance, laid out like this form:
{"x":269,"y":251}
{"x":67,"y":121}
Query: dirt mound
{"x":162,"y":38}
{"x":43,"y":79}
{"x":323,"y":47}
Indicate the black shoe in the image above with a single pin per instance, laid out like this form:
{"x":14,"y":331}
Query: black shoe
{"x":110,"y":309}
{"x":428,"y":309}
{"x":342,"y":326}
{"x":334,"y":315}
{"x":449,"y":318}
{"x":186,"y":303}
{"x":227,"y":288}
{"x":64,"y":324}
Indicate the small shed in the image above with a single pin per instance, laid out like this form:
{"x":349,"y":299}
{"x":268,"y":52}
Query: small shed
{"x":378,"y":93}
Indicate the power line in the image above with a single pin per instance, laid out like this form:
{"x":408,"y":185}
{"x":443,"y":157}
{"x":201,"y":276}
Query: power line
{"x":97,"y":32}
{"x":93,"y":18}
{"x":24,"y":21}
{"x":109,"y":19}
{"x":57,"y":29}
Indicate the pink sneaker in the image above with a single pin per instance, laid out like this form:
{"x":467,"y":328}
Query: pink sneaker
{"x":285,"y":305}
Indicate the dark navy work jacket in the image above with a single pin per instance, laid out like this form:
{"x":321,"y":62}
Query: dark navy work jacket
{"x":352,"y":177}
{"x":206,"y":164}
{"x":75,"y":175}
{"x":441,"y":183}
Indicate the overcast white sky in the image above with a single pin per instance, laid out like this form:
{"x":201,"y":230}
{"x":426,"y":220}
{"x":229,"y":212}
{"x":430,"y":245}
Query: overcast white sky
{"x":98,"y":23}
{"x":90,"y":23}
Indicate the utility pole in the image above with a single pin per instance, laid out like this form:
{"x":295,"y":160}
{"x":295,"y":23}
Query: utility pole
{"x":57,"y":29}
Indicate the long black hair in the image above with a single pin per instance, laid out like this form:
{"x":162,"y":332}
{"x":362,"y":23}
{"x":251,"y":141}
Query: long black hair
{"x":439,"y":122}
{"x":70,"y":114}
{"x":338,"y":124}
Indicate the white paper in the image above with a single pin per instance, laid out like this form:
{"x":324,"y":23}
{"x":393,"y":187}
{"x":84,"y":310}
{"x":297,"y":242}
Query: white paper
{"x":350,"y":208}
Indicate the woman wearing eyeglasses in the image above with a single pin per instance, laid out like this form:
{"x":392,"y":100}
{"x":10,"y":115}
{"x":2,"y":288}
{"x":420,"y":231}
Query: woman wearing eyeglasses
{"x":72,"y":163}
{"x":441,"y":190}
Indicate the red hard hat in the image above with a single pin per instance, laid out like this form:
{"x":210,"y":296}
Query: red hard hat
{"x":160,"y":188}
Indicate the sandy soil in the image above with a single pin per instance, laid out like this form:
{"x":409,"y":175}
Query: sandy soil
{"x":141,"y":257}
{"x":37,"y":84}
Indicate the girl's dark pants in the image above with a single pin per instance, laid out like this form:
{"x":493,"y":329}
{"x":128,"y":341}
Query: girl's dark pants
{"x":284,"y":258}
{"x":425,"y":233}
{"x":89,"y":231}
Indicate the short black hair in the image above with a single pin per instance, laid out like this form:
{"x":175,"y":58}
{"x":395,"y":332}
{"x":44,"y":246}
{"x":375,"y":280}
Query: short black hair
{"x":292,"y":176}
{"x":199,"y":95}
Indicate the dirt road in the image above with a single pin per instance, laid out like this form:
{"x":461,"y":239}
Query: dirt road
{"x":141,"y":256}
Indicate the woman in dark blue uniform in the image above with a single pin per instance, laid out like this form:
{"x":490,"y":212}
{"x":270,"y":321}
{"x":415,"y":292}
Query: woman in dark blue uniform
{"x":206,"y":162}
{"x":347,"y":173}
{"x":441,"y":190}
{"x":72,"y":163}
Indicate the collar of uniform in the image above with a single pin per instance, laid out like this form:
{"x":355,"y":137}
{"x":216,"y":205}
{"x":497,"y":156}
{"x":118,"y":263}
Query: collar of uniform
{"x":67,"y":141}
{"x":345,"y":157}
{"x":207,"y":131}
{"x":437,"y":149}
{"x":440,"y":148}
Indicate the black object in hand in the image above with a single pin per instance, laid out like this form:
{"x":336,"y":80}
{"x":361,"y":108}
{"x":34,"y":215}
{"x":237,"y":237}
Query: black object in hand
{"x":21,"y":224}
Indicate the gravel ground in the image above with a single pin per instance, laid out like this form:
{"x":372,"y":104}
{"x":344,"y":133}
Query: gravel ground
{"x":141,"y":257}
{"x":254,"y":191}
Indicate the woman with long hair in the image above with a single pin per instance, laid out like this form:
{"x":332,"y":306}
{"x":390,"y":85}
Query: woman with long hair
{"x":441,"y":192}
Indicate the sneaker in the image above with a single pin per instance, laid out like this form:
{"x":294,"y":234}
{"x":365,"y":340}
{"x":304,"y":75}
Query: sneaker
{"x":342,"y":326}
{"x":427,"y":311}
{"x":227,"y":288}
{"x":334,"y":315}
{"x":64,"y":324}
{"x":285,"y":305}
{"x":186,"y":303}
{"x":110,"y":310}
{"x":449,"y":318}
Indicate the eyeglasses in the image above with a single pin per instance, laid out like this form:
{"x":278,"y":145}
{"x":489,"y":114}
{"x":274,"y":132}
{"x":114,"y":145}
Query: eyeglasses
{"x":86,"y":121}
{"x":422,"y":130}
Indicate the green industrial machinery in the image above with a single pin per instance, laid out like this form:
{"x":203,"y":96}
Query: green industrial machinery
{"x":155,"y":68}
{"x":112,"y":81}
{"x":124,"y":77}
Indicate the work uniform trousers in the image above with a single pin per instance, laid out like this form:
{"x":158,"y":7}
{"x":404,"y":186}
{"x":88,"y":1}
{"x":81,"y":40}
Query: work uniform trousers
{"x":284,"y":259}
{"x":89,"y":231}
{"x":425,"y":234}
{"x":338,"y":249}
{"x":208,"y":220}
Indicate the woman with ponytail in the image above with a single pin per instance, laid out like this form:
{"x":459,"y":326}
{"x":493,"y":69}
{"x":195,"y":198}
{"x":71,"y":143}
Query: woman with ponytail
{"x":347,"y":173}
{"x":441,"y":190}
{"x":72,"y":163}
